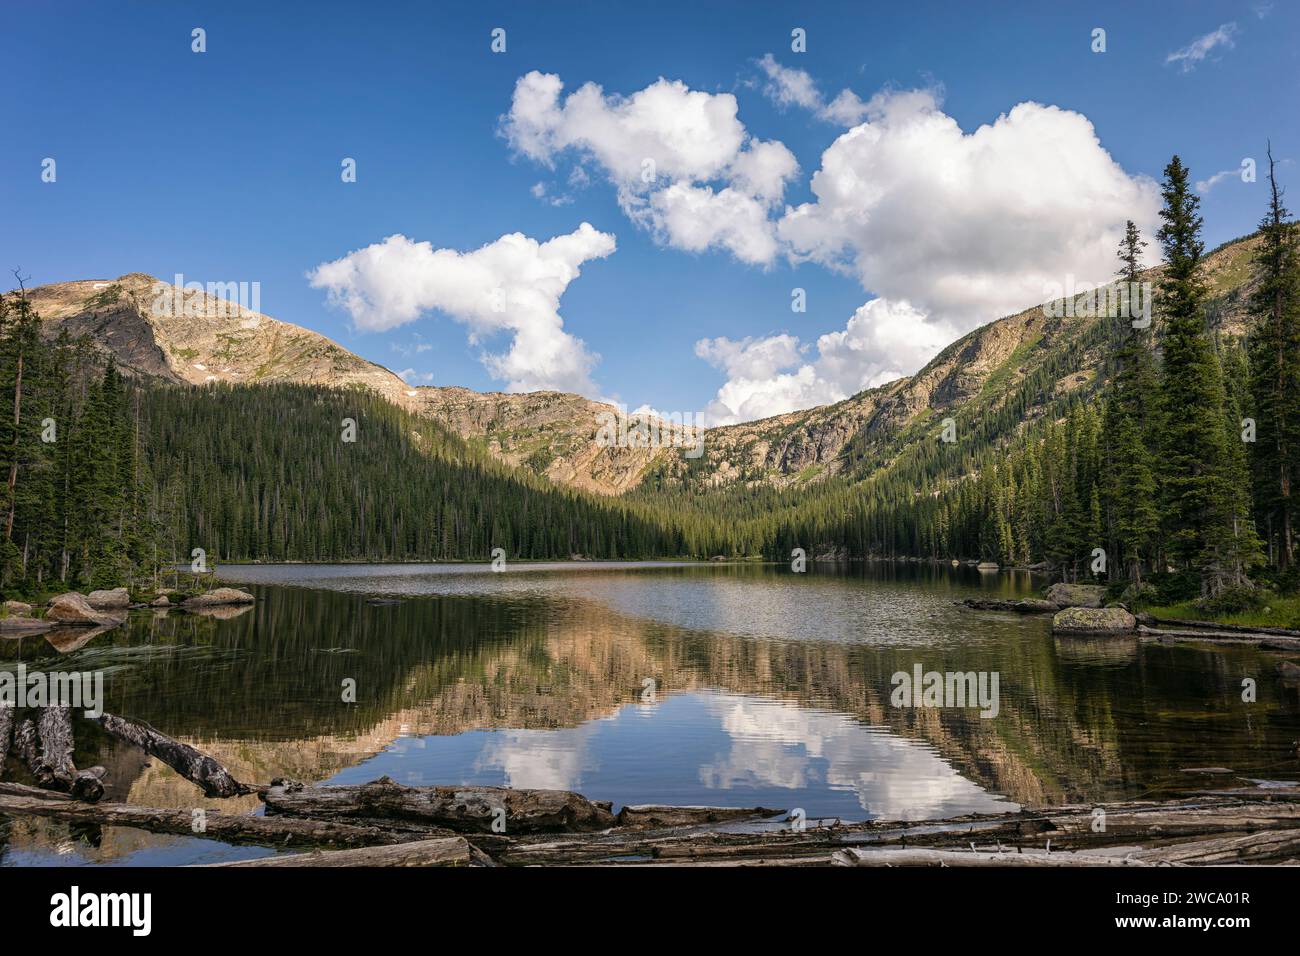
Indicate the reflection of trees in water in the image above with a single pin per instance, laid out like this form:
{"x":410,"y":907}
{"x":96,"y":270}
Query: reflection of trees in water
{"x":1078,"y":720}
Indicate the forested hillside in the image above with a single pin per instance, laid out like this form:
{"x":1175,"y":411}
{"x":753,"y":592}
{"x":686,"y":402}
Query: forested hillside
{"x":1177,"y":458}
{"x":74,"y":498}
{"x":1075,"y":440}
{"x":291,"y":472}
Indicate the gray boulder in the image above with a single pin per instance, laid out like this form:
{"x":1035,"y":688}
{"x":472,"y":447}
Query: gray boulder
{"x":1076,"y":595}
{"x":219,"y":596}
{"x":115,"y":599}
{"x":73,"y":608}
{"x":1094,"y":620}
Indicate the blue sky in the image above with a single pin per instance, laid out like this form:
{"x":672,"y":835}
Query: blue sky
{"x":225,"y":165}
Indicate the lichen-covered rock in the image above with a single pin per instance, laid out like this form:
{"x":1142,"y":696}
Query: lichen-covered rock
{"x":115,"y":599}
{"x":1093,"y":620}
{"x":18,"y":608}
{"x":1076,"y":595}
{"x":219,"y":596}
{"x":73,"y":608}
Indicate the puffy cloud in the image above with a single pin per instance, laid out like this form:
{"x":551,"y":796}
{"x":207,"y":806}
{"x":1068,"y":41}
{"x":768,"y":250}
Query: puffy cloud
{"x":511,"y":285}
{"x":787,"y":86}
{"x":767,"y":376}
{"x":763,"y":169}
{"x":947,"y":229}
{"x":695,"y":218}
{"x":967,"y":227}
{"x":683,"y":163}
{"x":1190,"y":56}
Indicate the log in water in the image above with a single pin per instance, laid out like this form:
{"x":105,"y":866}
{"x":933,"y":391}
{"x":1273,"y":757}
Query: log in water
{"x":195,"y":766}
{"x":468,"y":808}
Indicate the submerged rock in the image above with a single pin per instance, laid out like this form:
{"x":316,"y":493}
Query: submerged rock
{"x":1076,"y":595}
{"x":1090,"y":620}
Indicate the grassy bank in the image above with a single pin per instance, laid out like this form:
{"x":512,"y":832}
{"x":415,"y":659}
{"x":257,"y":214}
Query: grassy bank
{"x":1278,"y":611}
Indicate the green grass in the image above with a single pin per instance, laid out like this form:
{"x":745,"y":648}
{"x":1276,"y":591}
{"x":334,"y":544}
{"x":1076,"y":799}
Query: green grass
{"x":1277,"y":612}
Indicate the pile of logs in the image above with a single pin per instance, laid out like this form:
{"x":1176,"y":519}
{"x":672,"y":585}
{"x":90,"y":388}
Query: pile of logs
{"x":384,"y":823}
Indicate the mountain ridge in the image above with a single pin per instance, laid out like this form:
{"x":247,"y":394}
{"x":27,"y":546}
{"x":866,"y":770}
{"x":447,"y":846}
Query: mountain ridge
{"x":196,"y":338}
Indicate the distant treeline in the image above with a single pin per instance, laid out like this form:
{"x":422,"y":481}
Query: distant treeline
{"x":279,"y":472}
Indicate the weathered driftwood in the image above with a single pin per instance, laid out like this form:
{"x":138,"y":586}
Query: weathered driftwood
{"x":195,"y":766}
{"x":1221,"y":637}
{"x":928,"y":857}
{"x":6,"y":734}
{"x":22,"y":790}
{"x":1238,"y":628}
{"x":27,"y":747}
{"x":1290,"y":793}
{"x":228,"y":827}
{"x":458,"y":808}
{"x":1064,"y":829}
{"x":55,"y":769}
{"x":652,"y":815}
{"x":46,"y":749}
{"x":448,"y":851}
{"x":1243,"y":848}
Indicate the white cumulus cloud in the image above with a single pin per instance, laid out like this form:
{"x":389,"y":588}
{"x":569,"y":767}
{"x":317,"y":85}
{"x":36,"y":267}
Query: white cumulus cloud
{"x":510,"y":286}
{"x":683,"y":164}
{"x":882,"y":341}
{"x":967,"y":227}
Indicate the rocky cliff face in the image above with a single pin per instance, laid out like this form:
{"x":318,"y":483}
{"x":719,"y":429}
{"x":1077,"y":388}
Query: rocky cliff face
{"x":156,"y":330}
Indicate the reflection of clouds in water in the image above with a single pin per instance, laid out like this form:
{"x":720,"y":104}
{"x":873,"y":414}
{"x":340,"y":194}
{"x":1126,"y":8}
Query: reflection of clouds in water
{"x":541,"y":759}
{"x":779,"y":744}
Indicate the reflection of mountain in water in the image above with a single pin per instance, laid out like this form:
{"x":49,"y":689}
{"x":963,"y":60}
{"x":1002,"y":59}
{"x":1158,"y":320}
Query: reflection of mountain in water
{"x":263,"y":692}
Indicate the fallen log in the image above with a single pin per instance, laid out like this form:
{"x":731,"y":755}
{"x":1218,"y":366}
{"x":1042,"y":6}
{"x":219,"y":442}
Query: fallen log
{"x":49,"y":756}
{"x":6,"y":734}
{"x":1065,"y":829}
{"x":211,"y":824}
{"x":1245,"y":848}
{"x":926,"y":857}
{"x":1239,"y":628}
{"x":195,"y":766}
{"x":469,"y":808}
{"x":56,"y":769}
{"x":1221,"y":637}
{"x":1258,"y":793}
{"x":449,"y":851}
{"x":651,"y":815}
{"x":22,"y":790}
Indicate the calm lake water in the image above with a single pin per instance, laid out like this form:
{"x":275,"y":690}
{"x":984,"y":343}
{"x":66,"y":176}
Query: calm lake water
{"x":712,"y":684}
